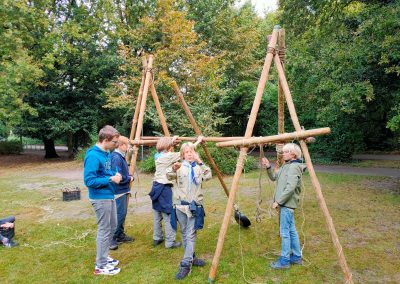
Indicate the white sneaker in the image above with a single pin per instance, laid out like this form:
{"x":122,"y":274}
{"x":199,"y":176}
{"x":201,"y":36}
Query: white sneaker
{"x":106,"y":270}
{"x":112,"y":261}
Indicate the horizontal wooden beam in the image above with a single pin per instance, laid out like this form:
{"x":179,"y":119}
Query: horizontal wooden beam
{"x":193,"y":139}
{"x":246,"y":142}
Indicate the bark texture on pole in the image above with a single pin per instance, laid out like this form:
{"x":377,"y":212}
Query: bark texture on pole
{"x":243,"y":153}
{"x":313,"y":176}
{"x":247,"y":142}
{"x":136,"y":114}
{"x":281,"y":96}
{"x":198,"y":132}
{"x":139,"y":127}
{"x":159,"y":110}
{"x":193,"y":139}
{"x":139,"y":100}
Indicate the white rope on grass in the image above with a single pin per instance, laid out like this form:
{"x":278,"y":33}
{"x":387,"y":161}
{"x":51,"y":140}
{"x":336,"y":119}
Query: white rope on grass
{"x":70,"y":242}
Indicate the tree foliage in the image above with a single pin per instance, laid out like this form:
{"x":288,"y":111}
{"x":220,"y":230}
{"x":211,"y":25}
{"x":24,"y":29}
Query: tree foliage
{"x":67,"y":67}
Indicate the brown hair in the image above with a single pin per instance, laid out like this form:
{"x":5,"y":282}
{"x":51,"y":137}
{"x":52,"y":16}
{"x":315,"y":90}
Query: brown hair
{"x":108,"y":133}
{"x":164,"y":143}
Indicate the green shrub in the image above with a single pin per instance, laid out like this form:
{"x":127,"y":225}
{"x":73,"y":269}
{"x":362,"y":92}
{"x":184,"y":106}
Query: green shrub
{"x":225,"y":158}
{"x":147,"y":165}
{"x":80,"y":155}
{"x":10,"y":147}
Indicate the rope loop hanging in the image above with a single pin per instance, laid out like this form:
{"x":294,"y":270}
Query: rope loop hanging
{"x":259,"y":209}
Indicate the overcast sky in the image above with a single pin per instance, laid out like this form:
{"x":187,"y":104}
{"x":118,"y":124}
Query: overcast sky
{"x":262,"y":5}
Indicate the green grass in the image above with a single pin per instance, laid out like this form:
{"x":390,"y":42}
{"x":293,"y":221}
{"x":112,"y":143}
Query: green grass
{"x":58,"y":238}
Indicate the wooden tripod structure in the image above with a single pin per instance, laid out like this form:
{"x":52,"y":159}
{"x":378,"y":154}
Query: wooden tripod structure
{"x":273,"y":54}
{"x":283,"y":93}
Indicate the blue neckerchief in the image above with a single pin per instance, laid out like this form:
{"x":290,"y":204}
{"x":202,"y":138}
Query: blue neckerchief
{"x":158,"y":155}
{"x":192,"y":176}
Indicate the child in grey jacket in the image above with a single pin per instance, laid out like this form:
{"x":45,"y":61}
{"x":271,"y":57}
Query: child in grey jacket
{"x":286,"y":199}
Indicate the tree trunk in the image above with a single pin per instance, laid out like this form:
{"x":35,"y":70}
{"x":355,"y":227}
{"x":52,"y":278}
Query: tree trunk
{"x":50,"y":149}
{"x":70,"y":145}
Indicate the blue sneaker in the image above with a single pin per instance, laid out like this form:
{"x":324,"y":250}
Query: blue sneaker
{"x":114,"y":244}
{"x":184,"y":270}
{"x":281,"y":263}
{"x":198,"y":262}
{"x":296,"y":260}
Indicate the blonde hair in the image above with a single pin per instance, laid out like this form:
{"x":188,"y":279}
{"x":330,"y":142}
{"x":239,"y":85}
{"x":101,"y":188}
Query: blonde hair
{"x":164,"y":143}
{"x":123,"y":140}
{"x":293,"y":148}
{"x":184,"y":146}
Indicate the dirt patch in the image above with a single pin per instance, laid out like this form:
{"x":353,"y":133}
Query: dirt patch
{"x":386,"y":184}
{"x":31,"y":158}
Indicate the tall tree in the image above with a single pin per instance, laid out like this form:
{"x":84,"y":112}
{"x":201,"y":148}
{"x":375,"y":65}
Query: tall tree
{"x":78,"y":53}
{"x":179,"y":55}
{"x":19,"y":70}
{"x":340,"y":70}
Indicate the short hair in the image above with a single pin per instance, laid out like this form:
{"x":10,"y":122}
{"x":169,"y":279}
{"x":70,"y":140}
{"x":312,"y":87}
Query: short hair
{"x":108,"y":133}
{"x":293,"y":148}
{"x":164,"y":143}
{"x":184,"y":146}
{"x":123,"y":140}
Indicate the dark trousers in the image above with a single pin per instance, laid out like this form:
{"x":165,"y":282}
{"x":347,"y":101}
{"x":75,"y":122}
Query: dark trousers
{"x":7,"y":232}
{"x":122,"y":210}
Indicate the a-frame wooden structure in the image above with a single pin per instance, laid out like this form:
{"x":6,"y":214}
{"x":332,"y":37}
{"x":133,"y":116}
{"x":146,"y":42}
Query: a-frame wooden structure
{"x":275,"y":52}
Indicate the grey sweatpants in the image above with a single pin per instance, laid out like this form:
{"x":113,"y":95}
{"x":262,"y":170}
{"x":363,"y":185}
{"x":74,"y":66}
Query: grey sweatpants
{"x":188,"y":237}
{"x":170,"y":234}
{"x":106,"y":215}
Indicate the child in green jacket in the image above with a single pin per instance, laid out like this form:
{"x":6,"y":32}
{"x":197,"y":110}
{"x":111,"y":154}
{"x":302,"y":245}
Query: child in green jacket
{"x":286,"y":199}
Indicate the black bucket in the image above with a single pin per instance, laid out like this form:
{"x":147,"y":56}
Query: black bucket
{"x":71,"y":195}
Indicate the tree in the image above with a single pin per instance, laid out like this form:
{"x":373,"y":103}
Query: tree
{"x":340,"y":71}
{"x":179,"y":55}
{"x":18,"y":69}
{"x":78,"y":58}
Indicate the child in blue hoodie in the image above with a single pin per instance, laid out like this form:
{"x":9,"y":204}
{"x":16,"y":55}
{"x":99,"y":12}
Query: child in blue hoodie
{"x":101,"y":181}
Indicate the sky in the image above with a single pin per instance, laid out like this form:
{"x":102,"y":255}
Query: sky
{"x":261,"y":5}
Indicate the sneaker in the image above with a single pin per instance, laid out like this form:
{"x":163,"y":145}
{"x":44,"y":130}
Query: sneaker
{"x":106,"y":270}
{"x":175,"y":244}
{"x":198,"y":262}
{"x":125,"y":239}
{"x":112,"y":262}
{"x":296,"y":260}
{"x":11,"y":244}
{"x":114,"y":244}
{"x":280,"y":264}
{"x":183,"y":272}
{"x":157,"y":242}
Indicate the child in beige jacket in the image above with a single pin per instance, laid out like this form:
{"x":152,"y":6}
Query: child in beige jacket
{"x":188,"y":203}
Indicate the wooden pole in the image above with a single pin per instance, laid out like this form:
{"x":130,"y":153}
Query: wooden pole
{"x":313,"y":176}
{"x":198,"y":132}
{"x":138,"y":102}
{"x":159,"y":110}
{"x":247,"y":142}
{"x":139,"y":99}
{"x":193,"y":139}
{"x":141,"y":113}
{"x":243,"y":153}
{"x":281,"y":97}
{"x":143,"y":142}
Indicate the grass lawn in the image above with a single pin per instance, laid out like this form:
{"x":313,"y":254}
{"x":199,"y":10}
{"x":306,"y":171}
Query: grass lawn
{"x":57,"y":239}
